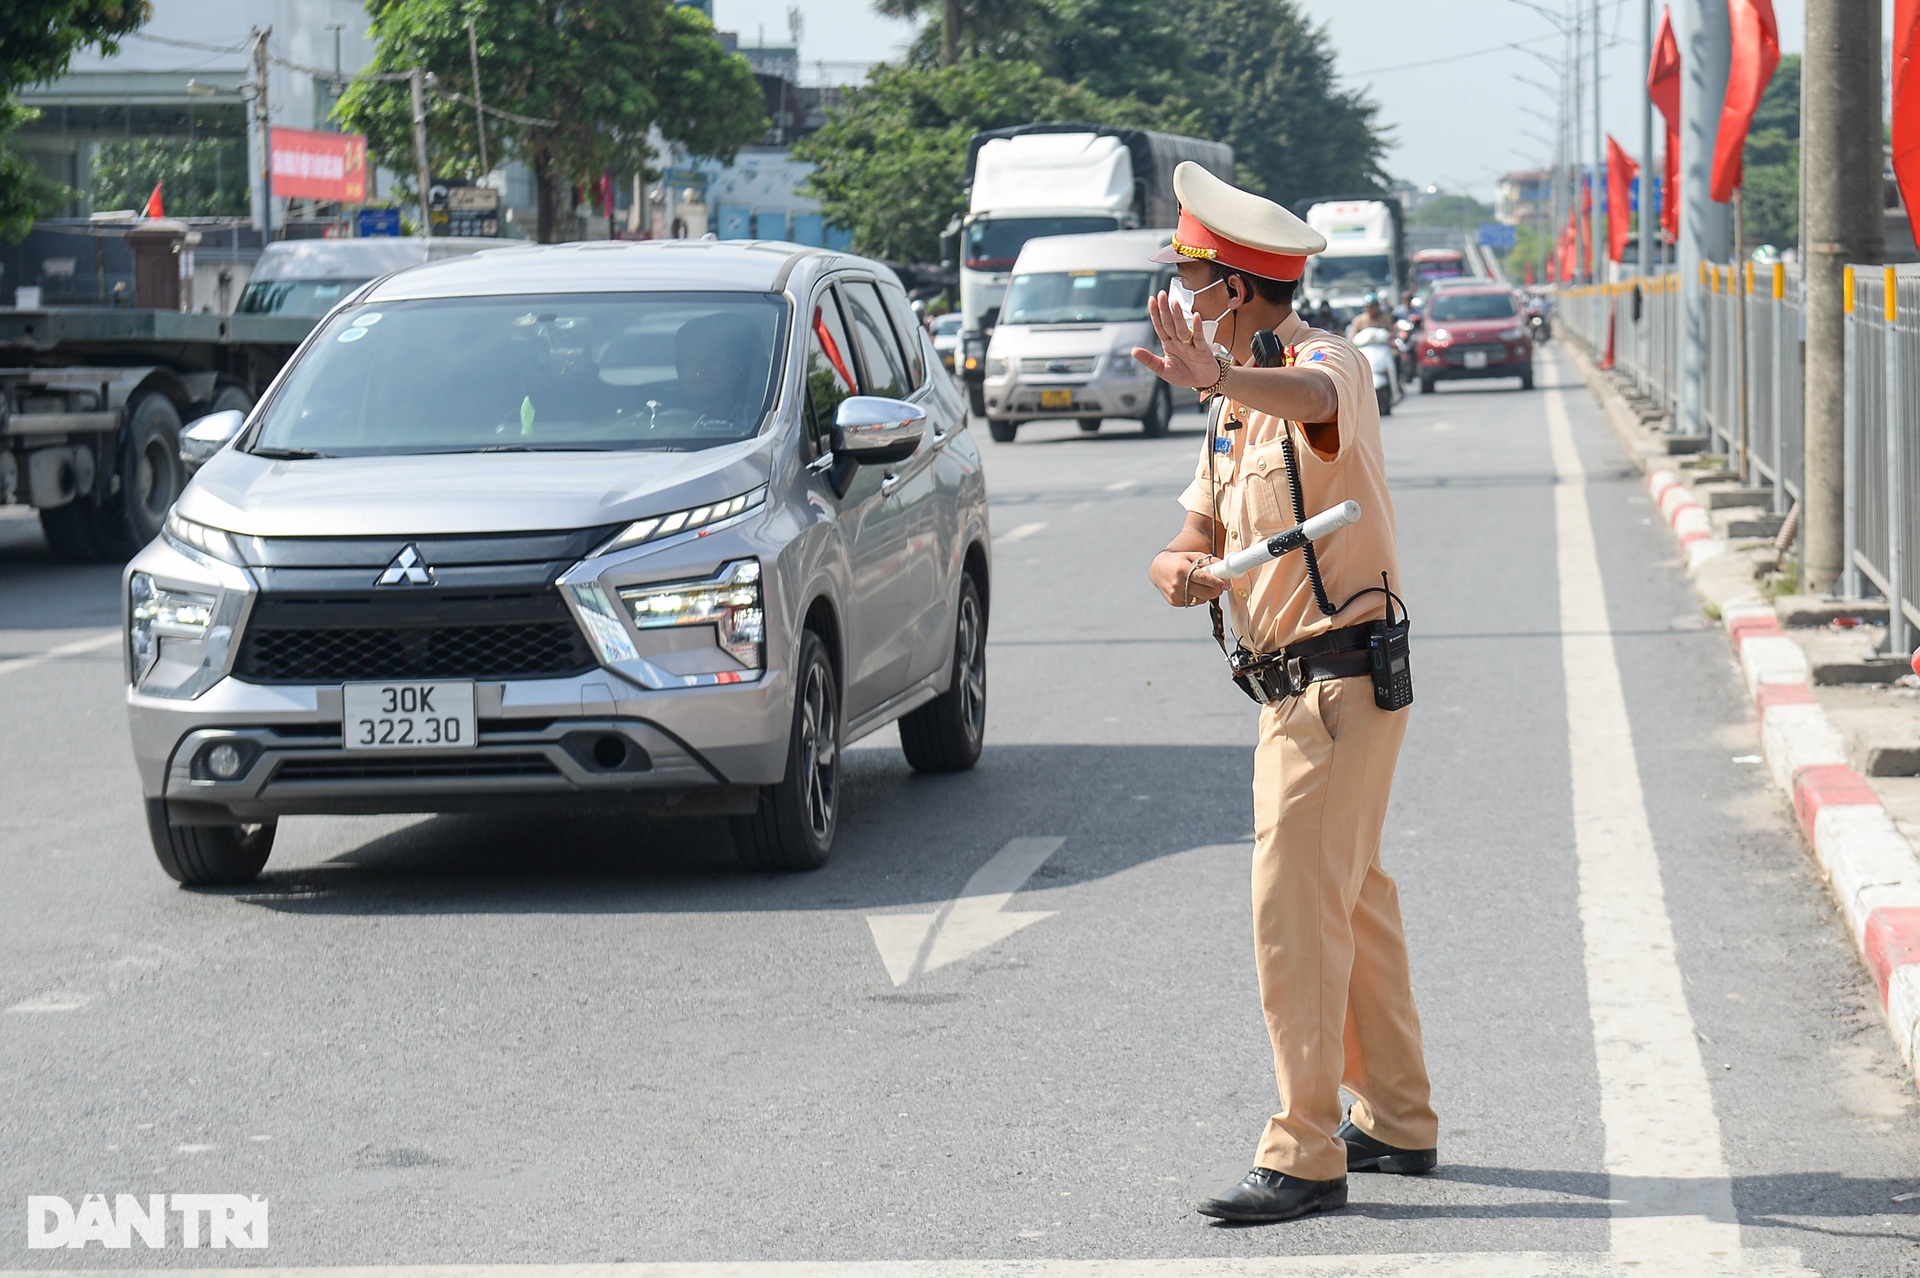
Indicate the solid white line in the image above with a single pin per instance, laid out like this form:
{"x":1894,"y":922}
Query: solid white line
{"x":1672,"y":1195}
{"x":1463,"y":1264}
{"x":1021,"y":533}
{"x":74,"y":649}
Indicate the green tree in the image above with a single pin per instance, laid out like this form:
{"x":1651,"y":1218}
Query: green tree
{"x":1295,"y":132}
{"x":606,"y":72}
{"x":889,"y":163}
{"x":1451,"y":212}
{"x":206,"y":177}
{"x":37,"y":40}
{"x":1770,"y":213}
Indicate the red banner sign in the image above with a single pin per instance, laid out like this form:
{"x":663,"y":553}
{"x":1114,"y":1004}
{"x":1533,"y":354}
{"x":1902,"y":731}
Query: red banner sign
{"x":309,"y":165}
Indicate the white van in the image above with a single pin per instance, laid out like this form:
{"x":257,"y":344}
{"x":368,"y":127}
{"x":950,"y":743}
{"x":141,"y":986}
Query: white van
{"x":1074,"y":311}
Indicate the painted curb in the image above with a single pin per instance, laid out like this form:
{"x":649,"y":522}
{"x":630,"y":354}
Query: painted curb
{"x":1870,"y":866}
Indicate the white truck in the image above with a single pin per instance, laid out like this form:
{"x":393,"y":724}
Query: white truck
{"x":1366,"y":253}
{"x":1056,"y":179}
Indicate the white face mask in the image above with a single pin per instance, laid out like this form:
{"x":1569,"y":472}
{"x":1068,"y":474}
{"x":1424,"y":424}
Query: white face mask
{"x":1184,"y":298}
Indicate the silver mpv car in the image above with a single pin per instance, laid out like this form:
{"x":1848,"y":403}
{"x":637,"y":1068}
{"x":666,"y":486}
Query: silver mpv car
{"x":662,"y":526}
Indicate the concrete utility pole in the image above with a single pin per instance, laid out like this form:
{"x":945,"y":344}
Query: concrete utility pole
{"x":263,"y":135}
{"x":1841,"y":158}
{"x":1649,"y":249}
{"x":416,"y":80}
{"x":1596,"y":233}
{"x":1706,"y":229}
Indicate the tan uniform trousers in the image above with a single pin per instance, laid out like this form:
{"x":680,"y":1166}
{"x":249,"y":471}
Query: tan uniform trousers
{"x":1327,"y":934}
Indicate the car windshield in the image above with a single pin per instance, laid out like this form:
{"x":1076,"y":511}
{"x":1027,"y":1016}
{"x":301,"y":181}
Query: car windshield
{"x":1355,"y":273}
{"x":1068,"y":297}
{"x":1471,"y":306}
{"x":994,"y":244}
{"x":948,"y":325}
{"x":295,"y":297}
{"x":671,"y":371}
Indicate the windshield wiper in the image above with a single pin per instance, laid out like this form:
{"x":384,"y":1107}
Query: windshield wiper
{"x":288,"y":454}
{"x":539,"y":448}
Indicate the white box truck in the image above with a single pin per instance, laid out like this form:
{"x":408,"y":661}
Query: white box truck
{"x":1056,"y":179}
{"x":1366,"y":253}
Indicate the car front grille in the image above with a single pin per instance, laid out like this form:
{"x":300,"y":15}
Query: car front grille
{"x":416,"y":768}
{"x":1495,"y":353}
{"x":1076,"y":364}
{"x":332,"y":638}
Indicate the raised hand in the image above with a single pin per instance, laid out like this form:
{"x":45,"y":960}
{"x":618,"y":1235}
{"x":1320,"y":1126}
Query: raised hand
{"x":1188,"y":361}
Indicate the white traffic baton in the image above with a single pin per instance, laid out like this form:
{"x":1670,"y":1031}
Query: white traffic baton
{"x":1244,"y":561}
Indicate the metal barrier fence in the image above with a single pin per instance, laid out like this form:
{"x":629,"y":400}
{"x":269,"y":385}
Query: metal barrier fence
{"x":1883,"y":440}
{"x":1754,"y":400}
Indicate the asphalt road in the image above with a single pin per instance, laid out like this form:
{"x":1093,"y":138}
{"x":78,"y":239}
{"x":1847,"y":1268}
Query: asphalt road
{"x":487,"y":1041}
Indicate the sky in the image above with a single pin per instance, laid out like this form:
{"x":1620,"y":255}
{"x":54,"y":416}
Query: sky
{"x":1457,"y":124}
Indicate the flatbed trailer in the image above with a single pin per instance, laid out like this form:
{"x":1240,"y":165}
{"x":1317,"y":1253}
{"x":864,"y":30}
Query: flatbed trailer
{"x":92,"y":401}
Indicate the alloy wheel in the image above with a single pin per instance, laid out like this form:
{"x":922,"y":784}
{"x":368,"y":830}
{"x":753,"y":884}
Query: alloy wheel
{"x":970,"y":650}
{"x":820,"y":753}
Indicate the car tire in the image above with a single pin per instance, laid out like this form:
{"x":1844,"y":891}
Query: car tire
{"x":977,"y":398}
{"x":208,"y":855}
{"x":1526,"y":380}
{"x":792,"y":824}
{"x":1383,"y":395}
{"x":151,"y":477}
{"x":946,"y":734}
{"x":1159,"y":413}
{"x":1002,"y":432}
{"x":1426,"y":383}
{"x":1091,"y":425}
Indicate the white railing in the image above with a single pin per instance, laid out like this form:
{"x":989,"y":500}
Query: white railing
{"x":1883,"y":440}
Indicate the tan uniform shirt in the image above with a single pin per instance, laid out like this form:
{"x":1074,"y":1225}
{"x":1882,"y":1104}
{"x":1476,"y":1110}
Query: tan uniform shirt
{"x":1272,"y":606}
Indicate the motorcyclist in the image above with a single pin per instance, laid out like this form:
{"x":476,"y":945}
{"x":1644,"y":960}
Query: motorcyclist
{"x":1374,"y":316}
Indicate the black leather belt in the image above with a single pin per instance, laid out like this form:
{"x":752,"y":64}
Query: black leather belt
{"x":1337,"y":654}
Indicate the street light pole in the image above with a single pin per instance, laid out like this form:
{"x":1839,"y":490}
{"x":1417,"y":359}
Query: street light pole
{"x":263,"y":133}
{"x":416,"y":81}
{"x":1648,"y":256}
{"x":1594,"y":238}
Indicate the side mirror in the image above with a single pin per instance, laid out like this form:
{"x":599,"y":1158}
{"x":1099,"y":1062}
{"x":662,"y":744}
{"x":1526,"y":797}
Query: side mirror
{"x":875,"y":431}
{"x":208,"y":435}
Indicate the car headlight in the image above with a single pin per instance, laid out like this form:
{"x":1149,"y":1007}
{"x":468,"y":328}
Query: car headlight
{"x":996,"y":367}
{"x":168,"y":633}
{"x":729,"y":601}
{"x":643,"y":531}
{"x":1121,"y":363}
{"x":1439,"y":337}
{"x":192,"y":537}
{"x":1513,"y":334}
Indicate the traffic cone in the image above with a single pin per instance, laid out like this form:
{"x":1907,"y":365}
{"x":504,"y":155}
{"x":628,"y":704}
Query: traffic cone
{"x":154,"y":207}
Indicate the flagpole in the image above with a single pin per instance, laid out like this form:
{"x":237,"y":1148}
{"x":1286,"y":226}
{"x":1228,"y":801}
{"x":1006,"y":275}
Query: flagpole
{"x":1741,"y":274}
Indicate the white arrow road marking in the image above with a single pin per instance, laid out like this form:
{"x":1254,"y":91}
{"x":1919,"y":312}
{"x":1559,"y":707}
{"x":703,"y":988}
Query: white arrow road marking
{"x":913,"y":944}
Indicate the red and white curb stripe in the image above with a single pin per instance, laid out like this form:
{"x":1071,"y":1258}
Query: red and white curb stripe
{"x":1868,"y":863}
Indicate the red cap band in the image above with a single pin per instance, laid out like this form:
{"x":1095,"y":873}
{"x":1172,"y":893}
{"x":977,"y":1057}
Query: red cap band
{"x":1191,"y":239}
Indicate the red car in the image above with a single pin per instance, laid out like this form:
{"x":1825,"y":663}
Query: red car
{"x":1474,"y":332}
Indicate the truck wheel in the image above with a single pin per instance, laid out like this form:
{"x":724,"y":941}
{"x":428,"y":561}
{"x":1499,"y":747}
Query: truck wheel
{"x":208,"y":855}
{"x":1159,"y":413}
{"x":70,"y":532}
{"x":1091,"y":425}
{"x":230,"y":399}
{"x":792,"y":825}
{"x":946,"y":734}
{"x":1002,"y":432}
{"x":151,"y":478}
{"x":977,"y":398}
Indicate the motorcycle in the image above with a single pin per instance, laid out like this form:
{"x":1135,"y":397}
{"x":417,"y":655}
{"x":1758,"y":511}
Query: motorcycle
{"x":1377,"y":345}
{"x":1540,"y":326}
{"x":1406,"y":354}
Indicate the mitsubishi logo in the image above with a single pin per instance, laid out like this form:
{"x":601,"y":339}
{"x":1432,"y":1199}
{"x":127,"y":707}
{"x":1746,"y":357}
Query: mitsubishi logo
{"x":407,"y":569}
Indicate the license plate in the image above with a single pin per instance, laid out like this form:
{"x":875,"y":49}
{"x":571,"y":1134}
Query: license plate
{"x":1476,"y":359}
{"x":409,"y":716}
{"x":1056,"y":399}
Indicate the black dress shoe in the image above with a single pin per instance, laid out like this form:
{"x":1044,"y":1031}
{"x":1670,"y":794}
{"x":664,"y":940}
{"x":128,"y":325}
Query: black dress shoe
{"x":1273,"y":1196}
{"x":1364,"y":1153}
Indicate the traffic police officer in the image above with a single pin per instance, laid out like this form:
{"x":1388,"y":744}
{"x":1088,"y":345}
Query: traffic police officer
{"x":1328,"y":942}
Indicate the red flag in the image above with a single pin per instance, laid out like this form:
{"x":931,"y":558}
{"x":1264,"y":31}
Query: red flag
{"x":1756,"y":52}
{"x":1663,"y":88}
{"x":154,"y":207}
{"x":1906,"y":104}
{"x":1529,"y":274}
{"x":1621,"y":170}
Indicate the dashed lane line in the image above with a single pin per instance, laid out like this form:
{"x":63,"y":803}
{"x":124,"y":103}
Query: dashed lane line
{"x":1021,"y":533}
{"x":76,"y":648}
